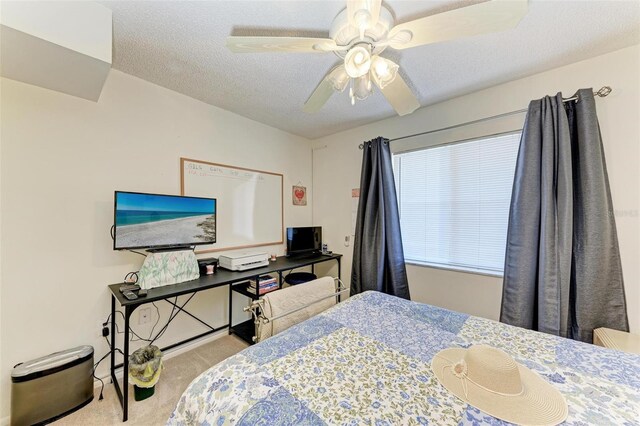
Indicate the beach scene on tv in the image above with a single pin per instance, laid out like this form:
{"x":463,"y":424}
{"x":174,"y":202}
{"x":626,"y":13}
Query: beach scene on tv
{"x":147,"y":220}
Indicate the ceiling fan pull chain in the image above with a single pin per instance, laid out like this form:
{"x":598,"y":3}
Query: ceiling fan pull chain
{"x":351,"y":94}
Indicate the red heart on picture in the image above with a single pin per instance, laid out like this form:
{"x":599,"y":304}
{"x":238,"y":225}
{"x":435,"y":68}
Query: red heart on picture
{"x":299,"y":193}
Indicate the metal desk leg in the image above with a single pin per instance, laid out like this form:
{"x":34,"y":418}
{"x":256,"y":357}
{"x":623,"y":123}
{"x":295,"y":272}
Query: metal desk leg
{"x":114,"y":379}
{"x":230,"y":307}
{"x":112,"y":347}
{"x":280,"y":279}
{"x":339,"y":277}
{"x":125,"y":367}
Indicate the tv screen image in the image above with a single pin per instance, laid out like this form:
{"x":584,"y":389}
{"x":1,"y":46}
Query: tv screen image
{"x":304,"y":240}
{"x":155,"y":221}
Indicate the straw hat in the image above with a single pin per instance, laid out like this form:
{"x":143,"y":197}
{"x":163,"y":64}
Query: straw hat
{"x":490,"y":380}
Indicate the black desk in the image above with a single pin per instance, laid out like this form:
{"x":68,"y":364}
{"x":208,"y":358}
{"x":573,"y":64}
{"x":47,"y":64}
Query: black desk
{"x":220,"y":278}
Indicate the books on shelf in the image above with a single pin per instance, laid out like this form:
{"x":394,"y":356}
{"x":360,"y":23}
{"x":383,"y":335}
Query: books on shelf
{"x":264,"y":284}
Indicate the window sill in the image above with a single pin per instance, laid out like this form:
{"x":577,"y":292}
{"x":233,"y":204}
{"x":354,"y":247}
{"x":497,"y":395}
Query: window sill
{"x":452,"y":268}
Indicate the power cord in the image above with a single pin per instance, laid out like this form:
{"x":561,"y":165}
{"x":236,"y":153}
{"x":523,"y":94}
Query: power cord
{"x":172,"y":316}
{"x":138,"y":338}
{"x":95,"y":366}
{"x":98,"y":378}
{"x":105,"y":329}
{"x":150,"y":339}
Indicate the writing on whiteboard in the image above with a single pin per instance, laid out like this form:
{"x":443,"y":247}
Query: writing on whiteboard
{"x":216,"y":171}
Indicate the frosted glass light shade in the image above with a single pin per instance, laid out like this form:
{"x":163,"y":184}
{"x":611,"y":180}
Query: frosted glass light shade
{"x":362,"y":87}
{"x":384,"y":71}
{"x":357,"y":61}
{"x":339,"y":79}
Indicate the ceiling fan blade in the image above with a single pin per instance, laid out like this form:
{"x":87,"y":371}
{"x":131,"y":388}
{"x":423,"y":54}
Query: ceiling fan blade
{"x":481,"y":18}
{"x":336,"y":79}
{"x":399,"y":95}
{"x":362,"y":20}
{"x":240,"y":44}
{"x":319,"y":97}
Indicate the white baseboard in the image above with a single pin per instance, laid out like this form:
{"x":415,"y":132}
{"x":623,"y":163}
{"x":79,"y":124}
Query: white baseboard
{"x":166,"y":355}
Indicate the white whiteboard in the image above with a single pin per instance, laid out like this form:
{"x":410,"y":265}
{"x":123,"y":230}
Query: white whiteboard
{"x":249,"y":209}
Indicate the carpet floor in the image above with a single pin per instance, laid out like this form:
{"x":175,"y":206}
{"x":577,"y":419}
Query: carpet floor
{"x":178,"y":372}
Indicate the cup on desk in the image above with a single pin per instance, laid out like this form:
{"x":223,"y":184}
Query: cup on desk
{"x":274,"y":257}
{"x":210,"y":269}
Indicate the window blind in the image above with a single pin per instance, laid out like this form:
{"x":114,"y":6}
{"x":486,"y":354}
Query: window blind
{"x":454,"y":202}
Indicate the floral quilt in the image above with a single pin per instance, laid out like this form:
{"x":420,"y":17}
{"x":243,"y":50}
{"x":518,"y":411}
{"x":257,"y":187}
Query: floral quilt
{"x":367,"y":361}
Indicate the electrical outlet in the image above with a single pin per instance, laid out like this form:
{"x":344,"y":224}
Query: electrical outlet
{"x":144,"y":316}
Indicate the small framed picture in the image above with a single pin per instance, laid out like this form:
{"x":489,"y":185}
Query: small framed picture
{"x":299,"y":195}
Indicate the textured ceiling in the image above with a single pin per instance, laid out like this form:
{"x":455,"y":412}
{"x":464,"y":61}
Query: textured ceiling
{"x":181,"y":46}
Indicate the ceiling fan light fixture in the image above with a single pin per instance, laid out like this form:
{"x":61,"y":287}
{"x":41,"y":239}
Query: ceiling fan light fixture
{"x":362,"y":87}
{"x":357,"y":61}
{"x":339,"y":79}
{"x":384,"y":71}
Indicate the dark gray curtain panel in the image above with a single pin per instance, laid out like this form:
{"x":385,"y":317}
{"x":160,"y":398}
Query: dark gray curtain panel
{"x":562,"y":272}
{"x":378,"y":258}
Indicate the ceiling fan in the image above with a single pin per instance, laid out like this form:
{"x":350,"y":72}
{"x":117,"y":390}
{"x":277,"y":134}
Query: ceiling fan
{"x":362,"y":31}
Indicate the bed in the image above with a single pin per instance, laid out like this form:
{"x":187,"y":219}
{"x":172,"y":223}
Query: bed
{"x":367,"y":361}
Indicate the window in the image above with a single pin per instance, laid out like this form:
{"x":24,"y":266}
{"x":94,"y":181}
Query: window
{"x":454,"y":202}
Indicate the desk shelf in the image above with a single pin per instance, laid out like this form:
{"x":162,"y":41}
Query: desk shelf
{"x":243,"y":288}
{"x":245,"y":330}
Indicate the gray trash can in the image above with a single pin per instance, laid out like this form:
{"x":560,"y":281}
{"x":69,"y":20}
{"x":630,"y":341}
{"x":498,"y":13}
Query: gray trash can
{"x":47,"y":388}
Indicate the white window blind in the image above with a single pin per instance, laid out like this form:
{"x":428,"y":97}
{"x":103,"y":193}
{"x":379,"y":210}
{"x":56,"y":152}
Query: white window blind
{"x":454,"y":202}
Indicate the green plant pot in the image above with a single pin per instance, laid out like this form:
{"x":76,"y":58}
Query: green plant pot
{"x":140,"y":394}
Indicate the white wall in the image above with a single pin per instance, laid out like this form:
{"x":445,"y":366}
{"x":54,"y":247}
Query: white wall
{"x":61,"y":159}
{"x":337,"y":162}
{"x":2,"y":389}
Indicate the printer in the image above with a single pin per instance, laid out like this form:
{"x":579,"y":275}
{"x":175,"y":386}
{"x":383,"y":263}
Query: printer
{"x":243,"y":261}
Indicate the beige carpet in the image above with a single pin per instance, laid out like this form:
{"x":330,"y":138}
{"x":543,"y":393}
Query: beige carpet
{"x":178,"y":373}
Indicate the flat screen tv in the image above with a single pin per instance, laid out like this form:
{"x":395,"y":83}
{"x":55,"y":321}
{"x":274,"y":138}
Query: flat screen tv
{"x":155,"y":221}
{"x":304,"y":240}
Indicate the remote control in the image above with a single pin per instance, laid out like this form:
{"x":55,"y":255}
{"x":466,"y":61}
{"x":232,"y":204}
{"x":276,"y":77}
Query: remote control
{"x":142,"y":293}
{"x":129,"y":295}
{"x":129,"y":287}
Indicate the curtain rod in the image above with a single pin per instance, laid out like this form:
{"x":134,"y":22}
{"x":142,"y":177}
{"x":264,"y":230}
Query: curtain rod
{"x":601,"y":93}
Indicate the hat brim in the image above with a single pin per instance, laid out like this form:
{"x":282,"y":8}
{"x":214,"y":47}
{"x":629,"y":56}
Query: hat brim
{"x":539,"y":404}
